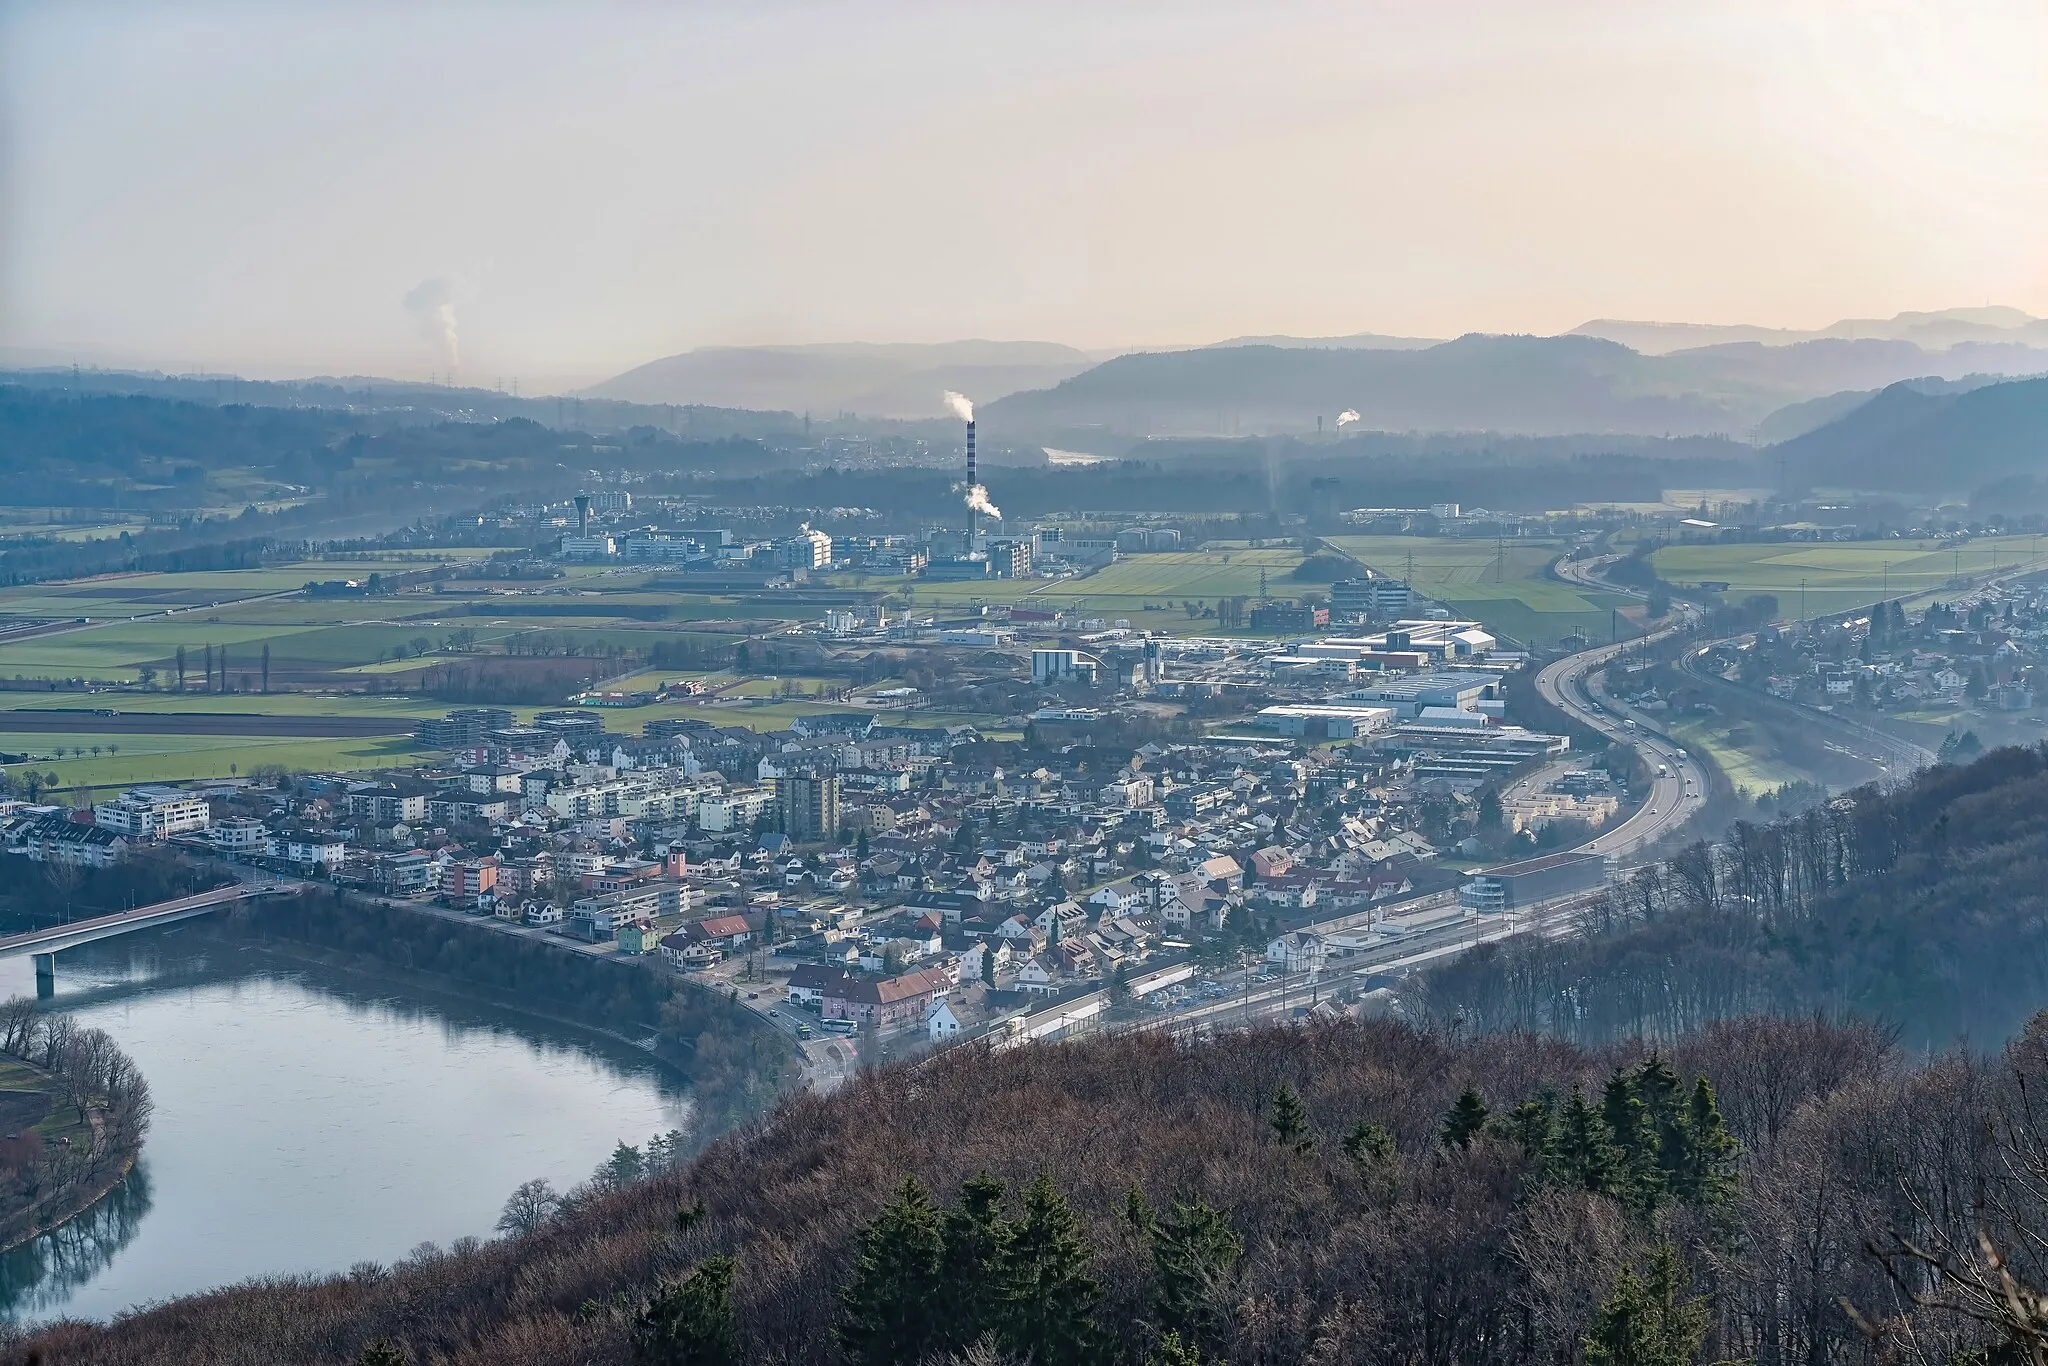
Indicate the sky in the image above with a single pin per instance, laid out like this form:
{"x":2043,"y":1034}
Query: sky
{"x":557,"y":192}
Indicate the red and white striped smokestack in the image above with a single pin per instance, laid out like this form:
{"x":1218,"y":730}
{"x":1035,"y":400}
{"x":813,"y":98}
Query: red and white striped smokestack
{"x":972,"y":482}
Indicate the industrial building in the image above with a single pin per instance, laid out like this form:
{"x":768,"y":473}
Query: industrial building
{"x":1326,"y":720}
{"x":1374,"y":597}
{"x":1515,"y":885}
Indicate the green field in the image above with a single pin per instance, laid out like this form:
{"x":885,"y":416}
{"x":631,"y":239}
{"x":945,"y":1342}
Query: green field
{"x":1147,"y":590}
{"x":1509,"y":590}
{"x":1741,"y":753}
{"x":170,"y":758}
{"x":1842,"y":576}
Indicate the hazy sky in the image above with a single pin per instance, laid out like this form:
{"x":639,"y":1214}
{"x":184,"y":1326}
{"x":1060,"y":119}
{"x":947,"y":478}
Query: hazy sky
{"x":293,"y":187}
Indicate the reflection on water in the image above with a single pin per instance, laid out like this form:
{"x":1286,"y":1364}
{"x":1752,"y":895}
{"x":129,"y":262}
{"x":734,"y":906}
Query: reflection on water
{"x":308,"y":1119}
{"x":44,"y":1272}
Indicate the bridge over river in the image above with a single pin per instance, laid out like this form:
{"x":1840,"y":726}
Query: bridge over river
{"x":45,"y":944}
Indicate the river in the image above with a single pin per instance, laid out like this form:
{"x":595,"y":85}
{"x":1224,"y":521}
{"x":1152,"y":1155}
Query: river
{"x":308,"y":1120}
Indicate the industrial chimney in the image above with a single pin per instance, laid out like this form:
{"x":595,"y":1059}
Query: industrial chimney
{"x":973,"y":482}
{"x":582,"y":514}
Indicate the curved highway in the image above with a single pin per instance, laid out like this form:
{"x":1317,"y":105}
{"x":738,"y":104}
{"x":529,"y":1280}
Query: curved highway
{"x":1679,"y":783}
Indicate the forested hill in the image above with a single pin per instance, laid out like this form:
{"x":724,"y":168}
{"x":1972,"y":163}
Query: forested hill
{"x":1324,"y":1194}
{"x":1923,"y":909}
{"x":1912,"y":441}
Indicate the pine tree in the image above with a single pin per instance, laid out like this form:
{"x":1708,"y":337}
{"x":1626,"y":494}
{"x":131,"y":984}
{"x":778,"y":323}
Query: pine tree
{"x":1290,"y":1120}
{"x":974,"y":1235}
{"x":1171,"y":1351}
{"x":1466,"y":1119}
{"x":1533,"y":1124}
{"x":1659,"y":1089}
{"x":1639,"y":1178}
{"x":382,"y":1352}
{"x":1585,"y":1154}
{"x":1706,"y":1169}
{"x":1139,"y":1215}
{"x":1047,"y":1296}
{"x":1645,"y":1322}
{"x":690,"y":1322}
{"x":1369,"y":1144}
{"x":895,"y":1282}
{"x":1194,"y":1255}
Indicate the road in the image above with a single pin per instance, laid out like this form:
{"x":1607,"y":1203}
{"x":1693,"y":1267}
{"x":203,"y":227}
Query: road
{"x":69,"y":935}
{"x":1878,"y":748}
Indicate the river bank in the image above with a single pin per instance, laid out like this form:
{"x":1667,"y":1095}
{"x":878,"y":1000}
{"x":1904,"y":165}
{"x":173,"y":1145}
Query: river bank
{"x":738,"y":1066}
{"x":73,"y":1112}
{"x":313,"y":1117}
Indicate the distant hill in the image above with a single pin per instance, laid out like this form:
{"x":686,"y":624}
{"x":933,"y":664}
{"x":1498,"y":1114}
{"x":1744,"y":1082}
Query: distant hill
{"x":1539,"y":386}
{"x":1910,"y":441}
{"x":1357,"y":341}
{"x":894,"y":381}
{"x":1797,"y":419}
{"x":1936,"y":331}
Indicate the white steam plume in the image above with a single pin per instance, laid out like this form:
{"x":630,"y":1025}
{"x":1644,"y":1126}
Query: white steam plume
{"x":432,"y":304}
{"x":961,"y":406}
{"x":977,"y":498}
{"x":1348,"y":415}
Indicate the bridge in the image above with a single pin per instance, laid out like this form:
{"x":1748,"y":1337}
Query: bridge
{"x":45,"y":944}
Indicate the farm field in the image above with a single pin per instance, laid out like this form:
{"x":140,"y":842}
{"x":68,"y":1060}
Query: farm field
{"x":1145,"y":589}
{"x":1842,"y":576}
{"x":168,"y":758}
{"x":1516,"y":598}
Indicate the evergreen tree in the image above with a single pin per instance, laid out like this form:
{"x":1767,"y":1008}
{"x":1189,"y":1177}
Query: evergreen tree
{"x":690,"y":1322}
{"x":971,"y":1262}
{"x":1194,"y":1255}
{"x":1138,"y":1212}
{"x":1645,"y":1322}
{"x":382,"y":1352}
{"x":1658,"y":1088}
{"x":1533,"y":1124}
{"x":1290,"y":1120}
{"x":1706,"y":1168}
{"x":1369,"y":1144}
{"x":895,"y":1282}
{"x":1466,"y":1119}
{"x":1047,"y":1296}
{"x":1171,"y":1351}
{"x":1585,"y":1155}
{"x":1639,"y":1178}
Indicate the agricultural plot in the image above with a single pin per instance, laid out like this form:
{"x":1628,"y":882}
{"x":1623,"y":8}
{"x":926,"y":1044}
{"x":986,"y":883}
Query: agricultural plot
{"x":1146,"y":589}
{"x":172,"y":758}
{"x":1507,"y":589}
{"x":1842,"y":576}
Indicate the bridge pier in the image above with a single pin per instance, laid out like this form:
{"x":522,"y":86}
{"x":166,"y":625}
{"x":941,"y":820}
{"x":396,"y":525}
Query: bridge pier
{"x":46,"y":975}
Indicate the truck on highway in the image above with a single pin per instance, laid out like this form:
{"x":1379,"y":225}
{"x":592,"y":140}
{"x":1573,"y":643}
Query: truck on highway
{"x":1663,"y":772}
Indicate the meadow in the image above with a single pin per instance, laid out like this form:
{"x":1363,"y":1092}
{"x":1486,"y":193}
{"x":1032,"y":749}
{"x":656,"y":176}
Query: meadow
{"x":1508,"y":590}
{"x":1842,"y":576}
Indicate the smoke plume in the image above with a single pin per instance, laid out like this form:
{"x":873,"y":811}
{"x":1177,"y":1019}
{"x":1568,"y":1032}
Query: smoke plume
{"x":962,"y":408}
{"x":977,"y":498}
{"x":1348,"y":415}
{"x":432,"y":305}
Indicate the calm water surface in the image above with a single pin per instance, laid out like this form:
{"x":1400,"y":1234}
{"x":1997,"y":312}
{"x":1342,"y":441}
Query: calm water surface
{"x":307,"y":1120}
